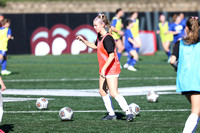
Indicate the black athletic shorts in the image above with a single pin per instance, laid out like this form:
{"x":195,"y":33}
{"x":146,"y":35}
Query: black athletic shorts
{"x":191,"y":93}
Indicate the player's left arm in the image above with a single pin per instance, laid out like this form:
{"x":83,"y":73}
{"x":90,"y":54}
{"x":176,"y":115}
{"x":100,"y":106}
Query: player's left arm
{"x":175,"y":55}
{"x":10,"y":34}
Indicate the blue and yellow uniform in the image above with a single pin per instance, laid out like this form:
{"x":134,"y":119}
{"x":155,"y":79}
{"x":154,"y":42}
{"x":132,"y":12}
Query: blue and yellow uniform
{"x":129,"y":47}
{"x":135,"y":28}
{"x":178,"y":28}
{"x":4,"y":32}
{"x":163,"y":28}
{"x":188,"y":78}
{"x":117,"y":23}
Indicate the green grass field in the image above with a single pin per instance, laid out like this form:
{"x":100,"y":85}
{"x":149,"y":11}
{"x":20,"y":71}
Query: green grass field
{"x":29,"y":70}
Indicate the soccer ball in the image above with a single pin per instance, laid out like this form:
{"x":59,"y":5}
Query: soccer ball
{"x":152,"y":96}
{"x":134,"y":108}
{"x":66,"y":114}
{"x":42,"y":103}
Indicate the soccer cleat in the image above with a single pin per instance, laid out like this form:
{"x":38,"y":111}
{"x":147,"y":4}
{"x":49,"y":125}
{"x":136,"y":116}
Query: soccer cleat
{"x":126,"y":66}
{"x":109,"y":117}
{"x":5,"y":72}
{"x":129,"y":117}
{"x":131,"y":68}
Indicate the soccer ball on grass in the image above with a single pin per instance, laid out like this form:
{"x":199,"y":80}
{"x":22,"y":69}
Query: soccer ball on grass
{"x":152,"y":96}
{"x":42,"y":103}
{"x":134,"y":108}
{"x":66,"y":114}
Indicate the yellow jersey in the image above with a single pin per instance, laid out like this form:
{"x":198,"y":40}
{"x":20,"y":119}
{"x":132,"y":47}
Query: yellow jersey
{"x":135,"y":28}
{"x":117,"y":23}
{"x":4,"y":38}
{"x":164,"y":28}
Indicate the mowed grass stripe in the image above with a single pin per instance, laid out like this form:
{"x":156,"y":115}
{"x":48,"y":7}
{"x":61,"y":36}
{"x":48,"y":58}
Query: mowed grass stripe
{"x":85,"y":79}
{"x":98,"y":111}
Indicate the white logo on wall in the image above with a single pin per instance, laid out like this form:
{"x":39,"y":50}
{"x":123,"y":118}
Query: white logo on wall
{"x":61,"y":40}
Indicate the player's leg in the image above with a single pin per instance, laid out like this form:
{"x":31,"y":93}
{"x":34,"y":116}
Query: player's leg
{"x":4,"y":65}
{"x":194,"y":118}
{"x":1,"y":107}
{"x":120,"y":48}
{"x":103,"y":88}
{"x":133,"y":60}
{"x":128,"y":61}
{"x":113,"y":89}
{"x":166,"y":46}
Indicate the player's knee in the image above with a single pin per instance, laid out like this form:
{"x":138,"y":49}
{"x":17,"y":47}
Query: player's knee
{"x":113,"y":93}
{"x":135,"y":56}
{"x":102,"y":92}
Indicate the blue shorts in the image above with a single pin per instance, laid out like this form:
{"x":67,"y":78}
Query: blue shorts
{"x":2,"y":52}
{"x":129,"y":48}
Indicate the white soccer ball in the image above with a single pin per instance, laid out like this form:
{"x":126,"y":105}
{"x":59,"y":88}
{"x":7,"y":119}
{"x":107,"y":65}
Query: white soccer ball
{"x":42,"y":103}
{"x":66,"y":114}
{"x":152,"y":96}
{"x":134,"y":108}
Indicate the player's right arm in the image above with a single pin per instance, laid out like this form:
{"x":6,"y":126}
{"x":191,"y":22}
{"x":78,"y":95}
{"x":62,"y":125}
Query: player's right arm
{"x":89,"y":44}
{"x":158,"y":30}
{"x":172,"y":30}
{"x":132,"y":41}
{"x":3,"y":87}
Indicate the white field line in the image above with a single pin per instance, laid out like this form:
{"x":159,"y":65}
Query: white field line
{"x":126,"y":91}
{"x":84,"y":79}
{"x":97,"y":111}
{"x":16,"y":99}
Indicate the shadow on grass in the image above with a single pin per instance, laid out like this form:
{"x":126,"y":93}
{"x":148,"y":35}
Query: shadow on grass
{"x":7,"y":127}
{"x":120,"y":116}
{"x":14,"y":73}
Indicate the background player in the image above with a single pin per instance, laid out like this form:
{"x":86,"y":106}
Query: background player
{"x":135,"y":29}
{"x":175,"y":28}
{"x":188,"y":81}
{"x":117,"y":33}
{"x":183,"y":23}
{"x":5,"y":35}
{"x":130,"y":47}
{"x":3,"y":87}
{"x":109,"y":68}
{"x":166,"y":38}
{"x":1,"y":19}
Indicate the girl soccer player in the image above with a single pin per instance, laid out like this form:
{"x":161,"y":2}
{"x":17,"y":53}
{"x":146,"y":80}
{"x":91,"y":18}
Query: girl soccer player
{"x":3,"y":87}
{"x":188,"y":80}
{"x":109,"y":67}
{"x":166,"y":38}
{"x":130,"y":47}
{"x":135,"y":29}
{"x":5,"y":35}
{"x":176,"y":28}
{"x":116,"y":27}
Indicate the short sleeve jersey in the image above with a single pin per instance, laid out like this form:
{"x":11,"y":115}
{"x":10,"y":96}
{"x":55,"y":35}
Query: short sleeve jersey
{"x":178,"y":28}
{"x":108,"y":43}
{"x":127,"y":35}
